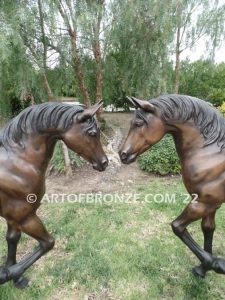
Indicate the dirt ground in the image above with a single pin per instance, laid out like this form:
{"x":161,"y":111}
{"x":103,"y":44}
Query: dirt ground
{"x":116,"y":178}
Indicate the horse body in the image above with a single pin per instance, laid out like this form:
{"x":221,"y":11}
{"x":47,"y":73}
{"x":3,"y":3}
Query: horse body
{"x":198,"y":131}
{"x":26,"y":147}
{"x":203,"y":168}
{"x":22,"y":173}
{"x":204,"y":174}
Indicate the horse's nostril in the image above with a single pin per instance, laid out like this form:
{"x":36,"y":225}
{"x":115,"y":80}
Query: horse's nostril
{"x":123,"y":155}
{"x":105,"y":163}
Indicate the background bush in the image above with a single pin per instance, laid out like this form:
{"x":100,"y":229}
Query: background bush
{"x":161,"y":159}
{"x":222,"y":109}
{"x":57,"y":162}
{"x":204,"y":80}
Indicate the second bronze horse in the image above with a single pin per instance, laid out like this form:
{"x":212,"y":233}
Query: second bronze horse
{"x":198,"y":131}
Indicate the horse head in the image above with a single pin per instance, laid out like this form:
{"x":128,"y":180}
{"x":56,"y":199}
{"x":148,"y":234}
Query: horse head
{"x":83,"y":137}
{"x":146,"y":129}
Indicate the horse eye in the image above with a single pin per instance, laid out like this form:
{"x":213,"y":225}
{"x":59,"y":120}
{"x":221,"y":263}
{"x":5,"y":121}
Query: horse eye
{"x":92,"y":133}
{"x":139,"y":124}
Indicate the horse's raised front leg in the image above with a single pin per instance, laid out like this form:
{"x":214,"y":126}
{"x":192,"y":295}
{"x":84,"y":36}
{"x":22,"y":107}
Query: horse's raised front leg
{"x":208,"y":228}
{"x":34,"y":228}
{"x":195,"y":211}
{"x":12,"y":237}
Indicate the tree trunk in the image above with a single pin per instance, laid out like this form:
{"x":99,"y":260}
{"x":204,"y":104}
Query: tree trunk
{"x":78,"y":68}
{"x":178,"y":42}
{"x":47,"y":87}
{"x":45,"y":49}
{"x":215,"y":41}
{"x":99,"y":75}
{"x":96,"y":47}
{"x":98,"y":59}
{"x":177,"y":66}
{"x":78,"y":72}
{"x":67,"y":162}
{"x":75,"y":52}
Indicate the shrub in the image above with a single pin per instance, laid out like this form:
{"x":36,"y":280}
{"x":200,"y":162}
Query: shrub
{"x":204,"y":80}
{"x":216,"y":96}
{"x":222,"y":108}
{"x":161,"y":158}
{"x":58,"y":163}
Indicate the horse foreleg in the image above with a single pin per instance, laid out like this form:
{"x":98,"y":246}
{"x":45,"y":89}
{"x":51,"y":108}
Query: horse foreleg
{"x":195,"y":211}
{"x":34,"y":228}
{"x":12,"y":237}
{"x":208,"y":228}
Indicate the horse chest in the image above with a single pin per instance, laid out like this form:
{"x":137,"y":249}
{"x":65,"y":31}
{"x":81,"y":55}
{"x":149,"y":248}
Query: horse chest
{"x":204,"y":172}
{"x":17,"y":177}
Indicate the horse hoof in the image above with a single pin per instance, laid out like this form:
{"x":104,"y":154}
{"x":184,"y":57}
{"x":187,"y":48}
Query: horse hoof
{"x":4,"y":276}
{"x":218,"y":265}
{"x":21,"y":282}
{"x":199,"y":271}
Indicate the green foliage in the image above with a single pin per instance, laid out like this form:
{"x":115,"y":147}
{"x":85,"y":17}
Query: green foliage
{"x":222,"y":109}
{"x":57,"y":161}
{"x":136,"y":42}
{"x":18,"y":77}
{"x":76,"y":160}
{"x":204,"y":80}
{"x":137,"y":60}
{"x":161,"y":158}
{"x":217,"y":96}
{"x":61,"y":80}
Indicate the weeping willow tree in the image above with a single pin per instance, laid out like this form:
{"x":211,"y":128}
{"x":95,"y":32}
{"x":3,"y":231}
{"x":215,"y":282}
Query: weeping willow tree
{"x":141,"y":33}
{"x":100,"y":49}
{"x":20,"y":80}
{"x":193,"y":20}
{"x":20,"y":83}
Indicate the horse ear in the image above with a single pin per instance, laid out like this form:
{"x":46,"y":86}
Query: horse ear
{"x":131,"y":101}
{"x":143,"y":104}
{"x":89,"y":112}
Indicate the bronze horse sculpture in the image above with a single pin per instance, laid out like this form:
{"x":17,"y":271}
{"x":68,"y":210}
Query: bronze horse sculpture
{"x":198,"y":131}
{"x":26,"y":147}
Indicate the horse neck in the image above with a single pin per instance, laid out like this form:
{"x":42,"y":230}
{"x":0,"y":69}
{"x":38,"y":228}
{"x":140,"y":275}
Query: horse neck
{"x":38,"y":150}
{"x":186,"y":136}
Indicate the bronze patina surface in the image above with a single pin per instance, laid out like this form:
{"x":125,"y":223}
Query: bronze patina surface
{"x":198,"y":130}
{"x":26,"y":147}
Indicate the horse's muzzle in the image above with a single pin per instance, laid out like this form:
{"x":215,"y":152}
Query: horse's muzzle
{"x":127,"y":158}
{"x":102,"y":165}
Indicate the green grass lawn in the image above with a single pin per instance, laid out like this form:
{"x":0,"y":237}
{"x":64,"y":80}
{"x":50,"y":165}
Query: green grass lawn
{"x":118,"y":251}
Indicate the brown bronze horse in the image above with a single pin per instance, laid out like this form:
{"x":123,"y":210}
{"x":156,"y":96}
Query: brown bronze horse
{"x":26,"y":147}
{"x":198,"y":131}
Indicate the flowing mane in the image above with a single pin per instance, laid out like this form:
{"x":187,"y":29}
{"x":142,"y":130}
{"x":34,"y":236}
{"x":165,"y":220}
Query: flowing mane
{"x":37,"y":119}
{"x":185,"y":108}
